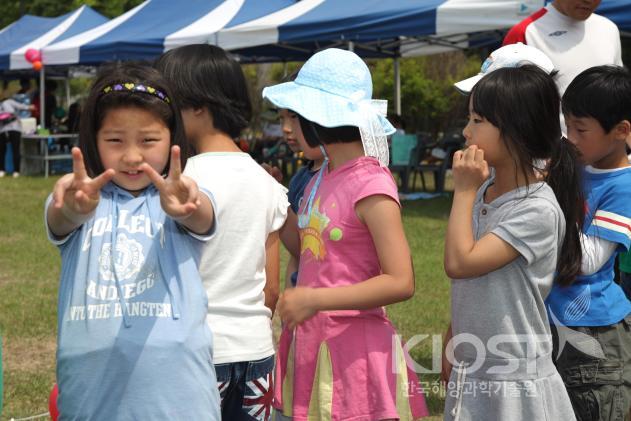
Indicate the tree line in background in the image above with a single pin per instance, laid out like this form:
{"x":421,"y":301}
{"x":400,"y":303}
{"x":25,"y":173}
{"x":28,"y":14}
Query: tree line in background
{"x":11,"y":9}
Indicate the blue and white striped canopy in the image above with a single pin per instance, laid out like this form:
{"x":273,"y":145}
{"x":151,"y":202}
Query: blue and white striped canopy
{"x":389,"y":28}
{"x":282,"y":29}
{"x":155,"y":26}
{"x":294,"y":29}
{"x":36,"y":32}
{"x":376,"y":28}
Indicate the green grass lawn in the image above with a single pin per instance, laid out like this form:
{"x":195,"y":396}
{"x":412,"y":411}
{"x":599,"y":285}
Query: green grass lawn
{"x":29,"y":271}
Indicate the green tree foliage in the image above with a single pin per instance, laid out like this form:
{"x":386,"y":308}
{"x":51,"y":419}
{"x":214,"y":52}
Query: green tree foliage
{"x":52,"y":8}
{"x":429,"y":102}
{"x":259,"y":76}
{"x":109,"y":8}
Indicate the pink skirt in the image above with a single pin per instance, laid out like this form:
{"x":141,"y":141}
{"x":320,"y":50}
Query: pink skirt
{"x":346,"y":365}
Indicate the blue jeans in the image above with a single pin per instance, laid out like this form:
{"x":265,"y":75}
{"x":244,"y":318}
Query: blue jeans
{"x":246,"y":389}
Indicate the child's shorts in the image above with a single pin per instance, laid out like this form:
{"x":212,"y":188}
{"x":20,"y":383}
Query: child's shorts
{"x":246,"y":389}
{"x":596,"y":370}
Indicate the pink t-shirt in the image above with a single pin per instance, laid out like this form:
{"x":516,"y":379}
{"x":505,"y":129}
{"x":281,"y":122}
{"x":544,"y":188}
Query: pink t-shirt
{"x":336,"y":247}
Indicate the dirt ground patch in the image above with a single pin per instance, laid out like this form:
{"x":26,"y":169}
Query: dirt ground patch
{"x":4,"y":278}
{"x":31,"y":355}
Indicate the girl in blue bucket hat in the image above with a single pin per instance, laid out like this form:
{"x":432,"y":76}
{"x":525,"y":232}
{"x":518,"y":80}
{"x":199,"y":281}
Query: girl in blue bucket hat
{"x":337,"y":358}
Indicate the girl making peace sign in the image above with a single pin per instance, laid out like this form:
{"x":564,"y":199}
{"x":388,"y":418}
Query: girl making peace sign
{"x":133,"y":342}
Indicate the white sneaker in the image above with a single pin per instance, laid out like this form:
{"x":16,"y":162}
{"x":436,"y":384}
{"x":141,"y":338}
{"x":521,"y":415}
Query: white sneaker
{"x":2,"y":173}
{"x":16,"y":174}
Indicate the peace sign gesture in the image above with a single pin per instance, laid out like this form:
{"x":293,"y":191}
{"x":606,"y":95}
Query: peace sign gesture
{"x":77,"y":192}
{"x":75,"y":196}
{"x":179,"y":195}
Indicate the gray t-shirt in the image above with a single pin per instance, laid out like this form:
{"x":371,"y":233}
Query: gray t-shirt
{"x":510,"y":300}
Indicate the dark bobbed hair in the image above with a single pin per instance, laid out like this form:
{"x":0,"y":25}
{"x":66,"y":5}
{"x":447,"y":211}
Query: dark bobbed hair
{"x":205,"y":76}
{"x":523,"y":103}
{"x":98,"y":104}
{"x":316,"y":135}
{"x":602,"y":93}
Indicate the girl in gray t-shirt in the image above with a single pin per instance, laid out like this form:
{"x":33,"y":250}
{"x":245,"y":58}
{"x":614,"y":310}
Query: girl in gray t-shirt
{"x":512,"y":233}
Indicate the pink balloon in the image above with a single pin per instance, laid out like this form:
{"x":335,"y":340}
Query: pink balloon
{"x":32,"y":55}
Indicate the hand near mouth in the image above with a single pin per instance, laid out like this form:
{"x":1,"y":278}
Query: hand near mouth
{"x":470,"y":169}
{"x":179,"y":195}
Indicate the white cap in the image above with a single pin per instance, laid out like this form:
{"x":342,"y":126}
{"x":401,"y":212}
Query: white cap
{"x":512,"y":55}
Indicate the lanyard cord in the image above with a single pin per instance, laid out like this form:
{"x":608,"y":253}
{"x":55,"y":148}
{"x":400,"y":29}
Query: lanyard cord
{"x":303,"y":217}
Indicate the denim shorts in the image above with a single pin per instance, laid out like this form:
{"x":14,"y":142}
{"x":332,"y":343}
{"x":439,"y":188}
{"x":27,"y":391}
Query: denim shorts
{"x":246,"y":389}
{"x":598,"y":376}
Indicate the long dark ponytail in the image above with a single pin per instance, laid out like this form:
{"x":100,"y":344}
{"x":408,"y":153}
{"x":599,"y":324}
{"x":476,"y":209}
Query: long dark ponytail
{"x":564,"y":177}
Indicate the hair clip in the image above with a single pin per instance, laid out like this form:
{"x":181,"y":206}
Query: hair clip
{"x":136,"y":87}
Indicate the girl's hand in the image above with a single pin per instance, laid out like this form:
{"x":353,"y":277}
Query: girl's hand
{"x":470,"y":170}
{"x":296,"y":305}
{"x":76,"y":194}
{"x":179,"y":195}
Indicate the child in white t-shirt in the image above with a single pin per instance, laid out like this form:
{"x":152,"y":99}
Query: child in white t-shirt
{"x":240,"y":265}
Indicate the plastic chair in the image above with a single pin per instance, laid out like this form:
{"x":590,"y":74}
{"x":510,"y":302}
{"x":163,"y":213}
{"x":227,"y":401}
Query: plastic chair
{"x":438,"y":168}
{"x":404,"y":152}
{"x":450,"y":143}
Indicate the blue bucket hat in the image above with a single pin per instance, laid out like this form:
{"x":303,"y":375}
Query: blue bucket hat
{"x":332,"y":89}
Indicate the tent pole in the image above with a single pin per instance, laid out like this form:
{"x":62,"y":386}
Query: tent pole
{"x":67,"y":92}
{"x":397,"y":86}
{"x":42,"y":96}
